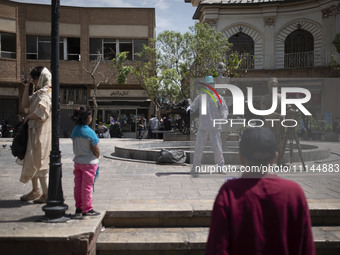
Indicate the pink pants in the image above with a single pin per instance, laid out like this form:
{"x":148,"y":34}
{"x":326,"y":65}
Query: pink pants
{"x":83,"y":183}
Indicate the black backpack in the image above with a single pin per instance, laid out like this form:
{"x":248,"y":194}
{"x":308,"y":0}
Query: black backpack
{"x":19,"y":143}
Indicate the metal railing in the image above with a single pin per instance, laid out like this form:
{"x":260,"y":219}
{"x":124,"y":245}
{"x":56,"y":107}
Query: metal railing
{"x":299,"y":59}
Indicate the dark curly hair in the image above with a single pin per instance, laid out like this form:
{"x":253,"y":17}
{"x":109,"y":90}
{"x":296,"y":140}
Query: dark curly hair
{"x":81,"y":115}
{"x":36,"y":71}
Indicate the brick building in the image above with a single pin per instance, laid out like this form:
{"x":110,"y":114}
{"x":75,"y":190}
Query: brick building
{"x":85,"y":33}
{"x":285,"y":39}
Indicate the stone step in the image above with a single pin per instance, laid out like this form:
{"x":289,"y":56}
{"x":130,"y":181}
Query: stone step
{"x":195,"y":215}
{"x":154,"y":241}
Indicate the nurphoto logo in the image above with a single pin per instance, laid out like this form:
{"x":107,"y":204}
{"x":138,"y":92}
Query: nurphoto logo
{"x":238,"y":102}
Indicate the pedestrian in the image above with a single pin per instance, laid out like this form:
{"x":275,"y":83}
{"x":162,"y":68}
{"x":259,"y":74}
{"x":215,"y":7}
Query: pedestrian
{"x":86,"y":159}
{"x":153,"y":126}
{"x":207,"y":129}
{"x":115,"y":128}
{"x":260,"y":213}
{"x":36,"y":160}
{"x":141,"y":127}
{"x":167,"y":123}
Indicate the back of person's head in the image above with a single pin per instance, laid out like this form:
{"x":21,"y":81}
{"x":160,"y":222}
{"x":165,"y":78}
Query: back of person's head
{"x":36,"y":71}
{"x":258,"y":146}
{"x":81,"y":115}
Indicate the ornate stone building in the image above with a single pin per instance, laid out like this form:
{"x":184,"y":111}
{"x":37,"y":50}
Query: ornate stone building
{"x":284,"y":39}
{"x":85,"y":34}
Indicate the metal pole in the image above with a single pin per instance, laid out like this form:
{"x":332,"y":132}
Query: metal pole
{"x":55,"y":208}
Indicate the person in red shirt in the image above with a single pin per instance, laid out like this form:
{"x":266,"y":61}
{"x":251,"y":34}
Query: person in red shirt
{"x":260,"y":213}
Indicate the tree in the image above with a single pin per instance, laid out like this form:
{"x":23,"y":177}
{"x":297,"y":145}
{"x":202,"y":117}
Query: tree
{"x":334,"y":64}
{"x":118,"y":70}
{"x":173,"y":59}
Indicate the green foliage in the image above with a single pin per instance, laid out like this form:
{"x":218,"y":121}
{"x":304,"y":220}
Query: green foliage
{"x":334,"y":63}
{"x":336,"y":42}
{"x":316,"y":124}
{"x":123,"y":70}
{"x":174,"y":58}
{"x":205,"y":48}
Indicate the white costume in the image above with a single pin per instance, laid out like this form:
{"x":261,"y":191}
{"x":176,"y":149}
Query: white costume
{"x":206,"y":129}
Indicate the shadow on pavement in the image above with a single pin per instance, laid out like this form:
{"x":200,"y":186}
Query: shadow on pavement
{"x":13,"y":204}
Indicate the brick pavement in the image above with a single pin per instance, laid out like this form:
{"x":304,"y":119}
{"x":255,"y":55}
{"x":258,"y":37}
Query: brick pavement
{"x":124,"y":183}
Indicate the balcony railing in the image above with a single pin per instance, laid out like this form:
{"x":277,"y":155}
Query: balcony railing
{"x":288,"y":60}
{"x":299,"y":59}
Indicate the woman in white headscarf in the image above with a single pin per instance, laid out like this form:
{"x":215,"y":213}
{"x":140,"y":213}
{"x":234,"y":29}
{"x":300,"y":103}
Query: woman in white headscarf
{"x":36,"y":161}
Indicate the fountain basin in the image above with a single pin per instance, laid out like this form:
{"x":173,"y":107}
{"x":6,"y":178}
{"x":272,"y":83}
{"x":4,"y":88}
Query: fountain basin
{"x":151,"y":151}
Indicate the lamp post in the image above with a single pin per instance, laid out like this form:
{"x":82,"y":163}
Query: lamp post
{"x":55,"y":207}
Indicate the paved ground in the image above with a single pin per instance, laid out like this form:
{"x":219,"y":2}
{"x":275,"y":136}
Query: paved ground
{"x":128,"y":183}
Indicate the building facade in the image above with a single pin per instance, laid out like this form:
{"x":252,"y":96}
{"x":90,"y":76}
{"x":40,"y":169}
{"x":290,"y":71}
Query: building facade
{"x":283,"y":39}
{"x":85,"y":35}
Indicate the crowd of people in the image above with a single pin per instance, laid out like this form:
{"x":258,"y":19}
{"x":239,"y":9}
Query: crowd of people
{"x":145,"y":129}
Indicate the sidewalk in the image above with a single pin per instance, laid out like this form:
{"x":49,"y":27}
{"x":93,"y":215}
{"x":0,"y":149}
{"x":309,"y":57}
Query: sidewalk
{"x":128,"y":184}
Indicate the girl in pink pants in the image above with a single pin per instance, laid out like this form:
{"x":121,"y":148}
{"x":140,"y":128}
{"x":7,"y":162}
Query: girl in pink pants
{"x":87,"y":153}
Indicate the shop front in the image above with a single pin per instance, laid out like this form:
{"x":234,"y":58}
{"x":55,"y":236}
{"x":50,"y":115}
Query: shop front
{"x":123,"y":108}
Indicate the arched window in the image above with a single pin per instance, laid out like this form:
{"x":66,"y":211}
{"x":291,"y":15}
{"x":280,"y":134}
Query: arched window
{"x":299,"y":49}
{"x":244,"y":45}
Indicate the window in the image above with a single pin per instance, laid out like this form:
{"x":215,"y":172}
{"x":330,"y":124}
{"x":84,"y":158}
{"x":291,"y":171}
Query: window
{"x":244,"y":45}
{"x":44,"y":47}
{"x":8,"y":42}
{"x":31,"y":47}
{"x":126,"y":46}
{"x":108,"y":48}
{"x":73,"y":49}
{"x":73,"y":96}
{"x":299,"y":49}
{"x":96,"y":48}
{"x":138,"y":47}
{"x":39,"y":47}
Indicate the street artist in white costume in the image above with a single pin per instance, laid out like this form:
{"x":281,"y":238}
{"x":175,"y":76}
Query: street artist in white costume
{"x":206,"y":127}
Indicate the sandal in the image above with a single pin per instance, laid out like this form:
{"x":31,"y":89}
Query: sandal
{"x":34,"y":194}
{"x":41,"y":200}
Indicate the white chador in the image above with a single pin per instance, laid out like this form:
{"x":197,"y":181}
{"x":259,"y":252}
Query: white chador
{"x":206,"y":128}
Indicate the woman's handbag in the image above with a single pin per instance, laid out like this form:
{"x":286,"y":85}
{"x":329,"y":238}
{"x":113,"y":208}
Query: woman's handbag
{"x":19,"y":143}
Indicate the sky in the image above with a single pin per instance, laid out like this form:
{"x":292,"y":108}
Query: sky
{"x":170,"y":14}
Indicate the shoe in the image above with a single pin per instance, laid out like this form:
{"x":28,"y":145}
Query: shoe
{"x":41,"y":200}
{"x":78,"y":213}
{"x":34,"y":194}
{"x":193,"y":174}
{"x":91,"y":213}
